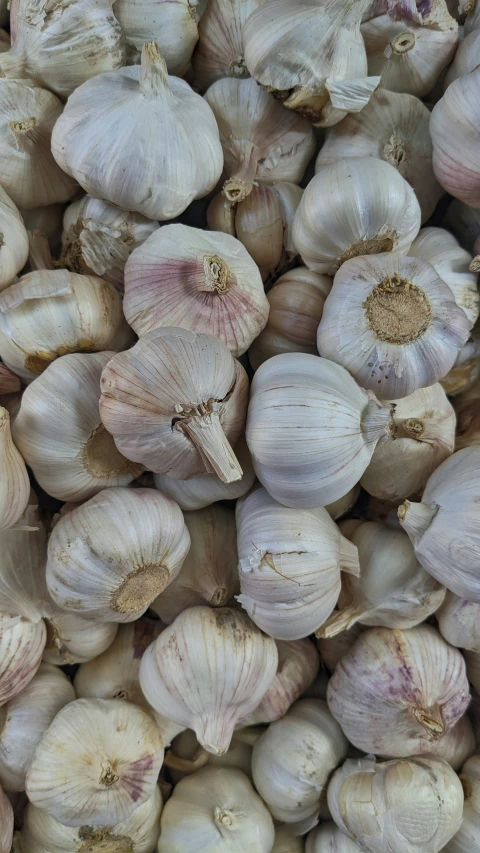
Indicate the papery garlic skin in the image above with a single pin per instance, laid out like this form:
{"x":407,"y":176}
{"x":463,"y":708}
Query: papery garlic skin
{"x":14,"y":247}
{"x":6,"y":823}
{"x":289,"y":565}
{"x":14,"y":481}
{"x":172,"y":168}
{"x":108,"y":766}
{"x":339,"y":508}
{"x":467,"y":839}
{"x":172,"y":25}
{"x":21,"y":647}
{"x":328,"y":837}
{"x":397,"y":693}
{"x":355,"y":206}
{"x":403,"y":805}
{"x":196,"y":672}
{"x":466,"y":369}
{"x":459,"y":622}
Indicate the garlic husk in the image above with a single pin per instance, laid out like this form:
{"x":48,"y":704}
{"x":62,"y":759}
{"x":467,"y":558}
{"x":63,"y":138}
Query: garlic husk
{"x":60,"y":435}
{"x":423,"y":435}
{"x":14,"y":482}
{"x":199,"y":280}
{"x":47,"y":220}
{"x":98,"y":238}
{"x":139,"y":833}
{"x":187,"y":756}
{"x":209,"y":572}
{"x":311,"y":429}
{"x":397,"y":693}
{"x":444,"y":528}
{"x":109,"y":558}
{"x":355,"y":206}
{"x":292,"y":761}
{"x":108,"y":765}
{"x":289,"y":564}
{"x":468,"y":418}
{"x":21,"y":647}
{"x":139,"y":99}
{"x":220,"y":807}
{"x":332,"y":649}
{"x":392,"y":127}
{"x":172,"y":25}
{"x":467,"y":839}
{"x":14,"y":245}
{"x":329,"y":837}
{"x":465,"y":59}
{"x":459,"y":622}
{"x":409,"y":806}
{"x":296,"y":306}
{"x":196,"y":672}
{"x":458,"y":744}
{"x":286,"y":841}
{"x":6,"y":823}
{"x":392,"y":323}
{"x":42,"y":32}
{"x":187,"y":423}
{"x":9,"y":381}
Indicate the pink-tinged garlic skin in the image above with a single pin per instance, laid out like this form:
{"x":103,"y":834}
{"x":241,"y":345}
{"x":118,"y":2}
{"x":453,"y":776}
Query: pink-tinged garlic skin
{"x":459,"y":622}
{"x":21,"y":648}
{"x":9,"y":381}
{"x":6,"y":823}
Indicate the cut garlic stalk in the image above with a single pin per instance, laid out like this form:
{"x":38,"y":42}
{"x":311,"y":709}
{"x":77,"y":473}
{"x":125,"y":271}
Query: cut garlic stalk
{"x":467,"y":839}
{"x":21,"y":647}
{"x":14,"y":482}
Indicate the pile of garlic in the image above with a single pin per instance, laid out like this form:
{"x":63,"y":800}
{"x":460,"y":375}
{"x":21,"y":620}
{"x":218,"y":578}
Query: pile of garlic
{"x":239,"y":426}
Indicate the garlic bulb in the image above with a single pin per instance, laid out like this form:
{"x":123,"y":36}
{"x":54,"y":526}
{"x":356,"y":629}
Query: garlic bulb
{"x":173,"y":166}
{"x":14,"y":241}
{"x":292,"y":761}
{"x":218,"y":808}
{"x":423,"y":435}
{"x":467,"y":838}
{"x":443,"y":527}
{"x":24,"y":720}
{"x":47,"y":220}
{"x":459,"y":622}
{"x":355,"y":206}
{"x":465,"y":59}
{"x":43,"y":31}
{"x":209,"y":572}
{"x":458,"y":744}
{"x":289,"y":564}
{"x":98,"y":238}
{"x":286,"y":841}
{"x":403,"y":806}
{"x":468,"y":421}
{"x":392,"y":323}
{"x":108,"y":764}
{"x":296,"y":306}
{"x":187,"y":756}
{"x":73,"y":639}
{"x":397,"y":693}
{"x":198,"y":280}
{"x":21,"y":647}
{"x":9,"y":381}
{"x":60,"y":435}
{"x":395,"y":128}
{"x":329,"y":837}
{"x":207,"y":671}
{"x":176,"y":403}
{"x":14,"y":482}
{"x":6,"y":823}
{"x":311,"y":429}
{"x":172,"y":25}
{"x":332,"y":649}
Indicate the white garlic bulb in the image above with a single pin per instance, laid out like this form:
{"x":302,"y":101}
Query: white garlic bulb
{"x":14,"y":482}
{"x":332,"y":649}
{"x":397,"y":693}
{"x":311,"y":429}
{"x":176,"y":403}
{"x":467,"y":839}
{"x":286,"y":841}
{"x":172,"y":166}
{"x":289,"y":564}
{"x":459,"y":622}
{"x":14,"y":245}
{"x":292,"y":761}
{"x":209,"y":669}
{"x":107,"y":766}
{"x":172,"y":25}
{"x":328,"y":837}
{"x":60,"y":435}
{"x":21,"y":647}
{"x":355,"y":206}
{"x":198,"y":280}
{"x":406,"y":806}
{"x":6,"y":823}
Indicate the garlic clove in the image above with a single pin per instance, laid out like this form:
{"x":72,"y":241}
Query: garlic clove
{"x":14,"y":246}
{"x":6,"y":823}
{"x":14,"y":482}
{"x":459,"y":622}
{"x":329,"y":837}
{"x":21,"y":647}
{"x":172,"y":25}
{"x":9,"y":381}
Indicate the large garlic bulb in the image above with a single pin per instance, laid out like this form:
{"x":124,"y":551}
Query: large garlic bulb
{"x":198,"y":280}
{"x":21,"y":647}
{"x":6,"y":823}
{"x":328,"y":837}
{"x":14,"y":242}
{"x":209,"y":572}
{"x":355,"y":206}
{"x":397,"y":693}
{"x":406,"y":806}
{"x":172,"y":165}
{"x":207,"y":671}
{"x":107,"y":765}
{"x":60,"y":435}
{"x":173,"y":25}
{"x":467,"y":838}
{"x":311,"y":429}
{"x":176,"y":403}
{"x":459,"y":622}
{"x":14,"y":482}
{"x":289,"y":564}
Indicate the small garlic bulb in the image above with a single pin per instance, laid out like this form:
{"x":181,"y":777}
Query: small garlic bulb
{"x":176,"y":403}
{"x":468,"y":417}
{"x":459,"y":622}
{"x":172,"y":25}
{"x":219,"y":809}
{"x":173,"y":165}
{"x":14,"y":241}
{"x":289,"y":564}
{"x":209,"y":572}
{"x":21,"y":647}
{"x":286,"y":841}
{"x":60,"y":435}
{"x":328,"y":837}
{"x":355,"y":206}
{"x":311,"y":429}
{"x":107,"y":765}
{"x":292,"y":761}
{"x":333,"y":649}
{"x":14,"y":482}
{"x":9,"y":381}
{"x":397,"y":693}
{"x":73,"y":639}
{"x":208,"y":670}
{"x":198,"y":280}
{"x":406,"y":806}
{"x":6,"y":824}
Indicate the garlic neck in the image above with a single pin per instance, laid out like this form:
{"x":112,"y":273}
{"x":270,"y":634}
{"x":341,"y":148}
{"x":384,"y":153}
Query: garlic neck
{"x":202,"y":425}
{"x":238,"y":186}
{"x":54,"y":641}
{"x":395,"y":152}
{"x":431,"y":721}
{"x":397,"y":311}
{"x":219,"y":597}
{"x":416,"y":518}
{"x":217,"y":277}
{"x":403,"y":43}
{"x":225,"y":819}
{"x":154,"y":80}
{"x":375,"y":422}
{"x":237,"y":68}
{"x":102,"y":459}
{"x":24,"y":132}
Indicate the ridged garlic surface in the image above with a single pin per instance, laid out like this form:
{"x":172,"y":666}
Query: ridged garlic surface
{"x":355,"y":206}
{"x":173,"y":25}
{"x":328,"y":837}
{"x":14,"y":481}
{"x":60,"y":435}
{"x":467,"y":839}
{"x":290,"y":562}
{"x":459,"y":622}
{"x":21,"y":647}
{"x":6,"y":823}
{"x":172,"y":166}
{"x":198,"y":280}
{"x":397,"y":693}
{"x":107,"y":765}
{"x":14,"y":246}
{"x":209,"y":669}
